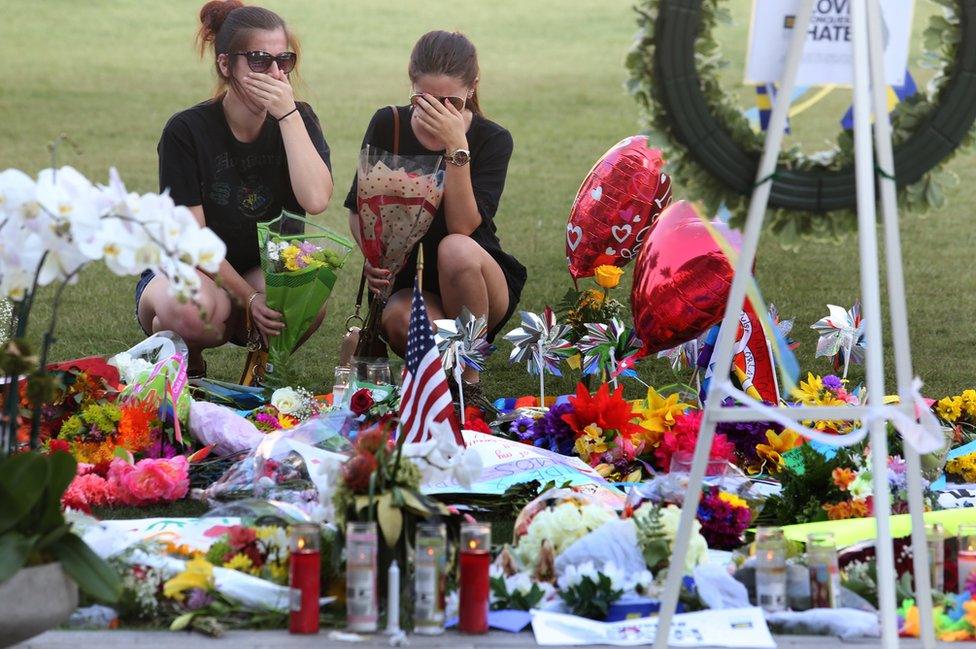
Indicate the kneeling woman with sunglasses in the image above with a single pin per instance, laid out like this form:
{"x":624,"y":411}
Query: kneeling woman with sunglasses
{"x":464,"y":264}
{"x":236,"y":160}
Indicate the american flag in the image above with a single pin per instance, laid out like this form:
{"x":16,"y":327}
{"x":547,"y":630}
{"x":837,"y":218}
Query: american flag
{"x":426,"y":397}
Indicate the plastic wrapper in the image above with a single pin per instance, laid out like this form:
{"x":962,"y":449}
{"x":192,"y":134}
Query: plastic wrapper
{"x":222,"y":428}
{"x":671,"y":488}
{"x":559,"y":517}
{"x":287,"y":465}
{"x":155,"y":370}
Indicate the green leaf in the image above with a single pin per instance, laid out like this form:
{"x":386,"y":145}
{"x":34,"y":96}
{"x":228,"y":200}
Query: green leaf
{"x":22,"y":480}
{"x":62,"y":470}
{"x":390,"y":519}
{"x":92,"y":575}
{"x":52,"y":536}
{"x":14,"y":548}
{"x":182,"y":622}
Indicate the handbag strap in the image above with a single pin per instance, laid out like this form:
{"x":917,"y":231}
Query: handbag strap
{"x":396,"y":129}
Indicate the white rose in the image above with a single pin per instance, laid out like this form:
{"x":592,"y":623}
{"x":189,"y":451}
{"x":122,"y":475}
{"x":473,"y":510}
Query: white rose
{"x":286,"y":400}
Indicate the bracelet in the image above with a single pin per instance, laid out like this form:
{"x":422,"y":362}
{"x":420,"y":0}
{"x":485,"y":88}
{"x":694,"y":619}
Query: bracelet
{"x":288,"y":113}
{"x":250,"y":299}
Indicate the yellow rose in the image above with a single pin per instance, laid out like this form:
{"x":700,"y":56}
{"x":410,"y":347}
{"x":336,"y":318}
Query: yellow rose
{"x":608,"y":276}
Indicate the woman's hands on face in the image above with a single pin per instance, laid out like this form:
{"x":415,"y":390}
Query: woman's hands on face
{"x":268,"y":320}
{"x":273,"y":91}
{"x":443,"y":120}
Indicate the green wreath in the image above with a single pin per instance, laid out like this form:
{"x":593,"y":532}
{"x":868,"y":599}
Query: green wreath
{"x":713,"y":151}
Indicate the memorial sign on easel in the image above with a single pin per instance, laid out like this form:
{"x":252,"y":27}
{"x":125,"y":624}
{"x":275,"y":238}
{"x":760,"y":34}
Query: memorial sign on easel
{"x":827,"y":52}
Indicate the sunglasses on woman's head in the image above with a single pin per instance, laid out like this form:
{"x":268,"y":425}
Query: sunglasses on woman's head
{"x":260,"y":61}
{"x":457,"y":102}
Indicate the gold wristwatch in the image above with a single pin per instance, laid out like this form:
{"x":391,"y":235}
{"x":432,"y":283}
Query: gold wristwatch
{"x":458,"y":157}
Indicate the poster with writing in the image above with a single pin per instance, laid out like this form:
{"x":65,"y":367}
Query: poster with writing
{"x":735,"y":627}
{"x":827,"y":53}
{"x":506,"y":463}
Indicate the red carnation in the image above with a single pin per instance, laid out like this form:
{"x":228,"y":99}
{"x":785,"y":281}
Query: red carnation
{"x":357,"y":470}
{"x":239,"y":536}
{"x":58,"y":446}
{"x":371,"y":439}
{"x":362,"y":400}
{"x":478,"y":425}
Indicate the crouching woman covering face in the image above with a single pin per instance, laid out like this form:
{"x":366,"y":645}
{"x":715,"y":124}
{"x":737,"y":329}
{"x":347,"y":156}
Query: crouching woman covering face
{"x":235,"y":160}
{"x":464,"y":264}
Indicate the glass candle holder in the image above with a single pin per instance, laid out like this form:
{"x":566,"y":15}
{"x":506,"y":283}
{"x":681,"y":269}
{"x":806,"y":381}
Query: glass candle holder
{"x":967,"y":554}
{"x":362,"y":607}
{"x":474,"y":560}
{"x":771,"y":569}
{"x":429,"y":577}
{"x":305,"y":566}
{"x":935,"y":538}
{"x":824,"y":571}
{"x":340,"y":387}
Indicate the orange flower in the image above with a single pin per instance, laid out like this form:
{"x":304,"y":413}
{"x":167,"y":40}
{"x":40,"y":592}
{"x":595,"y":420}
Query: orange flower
{"x":860,"y":509}
{"x":838,"y":511}
{"x":94,"y":452}
{"x":843,"y":477}
{"x":135,"y":425}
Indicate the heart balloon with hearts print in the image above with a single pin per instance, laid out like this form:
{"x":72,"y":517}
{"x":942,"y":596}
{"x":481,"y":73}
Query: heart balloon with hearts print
{"x":615,"y":207}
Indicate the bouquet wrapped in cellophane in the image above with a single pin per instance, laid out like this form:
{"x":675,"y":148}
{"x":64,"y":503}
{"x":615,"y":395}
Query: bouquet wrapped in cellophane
{"x":300,"y":272}
{"x":397,"y":199}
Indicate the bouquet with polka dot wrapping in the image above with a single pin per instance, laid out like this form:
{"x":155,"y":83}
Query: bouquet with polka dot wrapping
{"x":615,"y":207}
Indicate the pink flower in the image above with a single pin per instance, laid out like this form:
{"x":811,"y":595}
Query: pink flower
{"x":88,"y":490}
{"x":150,"y":480}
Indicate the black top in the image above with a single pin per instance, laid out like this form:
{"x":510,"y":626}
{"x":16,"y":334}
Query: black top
{"x":491,"y":148}
{"x":237,"y":183}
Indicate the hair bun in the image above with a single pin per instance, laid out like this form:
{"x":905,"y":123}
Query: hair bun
{"x":212,"y":16}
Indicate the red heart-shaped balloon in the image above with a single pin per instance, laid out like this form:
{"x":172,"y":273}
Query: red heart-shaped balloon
{"x":615,"y":207}
{"x":681,"y":280}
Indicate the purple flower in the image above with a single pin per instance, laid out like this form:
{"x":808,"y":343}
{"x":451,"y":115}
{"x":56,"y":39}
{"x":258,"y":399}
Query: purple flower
{"x":197,"y":599}
{"x":552,"y":433}
{"x":524,"y":428}
{"x":831,"y":382}
{"x":745,"y":435}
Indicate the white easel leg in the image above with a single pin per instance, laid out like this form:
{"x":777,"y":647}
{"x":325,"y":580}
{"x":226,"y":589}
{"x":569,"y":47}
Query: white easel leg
{"x":871,"y":303}
{"x":899,"y":315}
{"x":726,"y":338}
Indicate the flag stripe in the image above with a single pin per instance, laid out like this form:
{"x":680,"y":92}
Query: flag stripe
{"x":425,"y":395}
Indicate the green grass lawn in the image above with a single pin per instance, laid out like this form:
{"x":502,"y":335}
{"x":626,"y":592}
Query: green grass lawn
{"x":108,"y":74}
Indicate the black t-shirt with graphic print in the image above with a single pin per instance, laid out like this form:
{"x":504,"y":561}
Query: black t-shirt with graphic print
{"x":237,"y":183}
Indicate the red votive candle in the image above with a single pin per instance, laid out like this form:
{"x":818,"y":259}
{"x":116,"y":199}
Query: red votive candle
{"x":305,"y":567}
{"x":474,"y":560}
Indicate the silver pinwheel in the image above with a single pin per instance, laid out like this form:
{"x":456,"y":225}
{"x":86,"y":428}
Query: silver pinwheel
{"x":463,"y":343}
{"x":841,"y":336}
{"x":541,"y":343}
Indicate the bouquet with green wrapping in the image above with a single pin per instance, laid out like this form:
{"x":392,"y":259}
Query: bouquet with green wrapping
{"x":300,"y":272}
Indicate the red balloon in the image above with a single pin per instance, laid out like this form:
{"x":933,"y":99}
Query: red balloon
{"x":616,"y":204}
{"x":682,"y":279}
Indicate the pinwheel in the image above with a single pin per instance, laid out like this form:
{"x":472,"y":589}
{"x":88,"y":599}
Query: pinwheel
{"x":610,"y":349}
{"x":684,"y":355}
{"x":463,"y":343}
{"x":541,"y":343}
{"x":841,"y":334}
{"x":783,"y":327}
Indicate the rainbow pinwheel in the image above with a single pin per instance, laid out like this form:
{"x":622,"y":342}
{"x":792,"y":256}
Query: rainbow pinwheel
{"x":841,"y":336}
{"x":541,"y":343}
{"x":610,"y":349}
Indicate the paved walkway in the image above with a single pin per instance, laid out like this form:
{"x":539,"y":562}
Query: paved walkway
{"x":276,"y":639}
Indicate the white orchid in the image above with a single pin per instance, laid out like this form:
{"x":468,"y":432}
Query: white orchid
{"x":204,"y":248}
{"x":18,"y":195}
